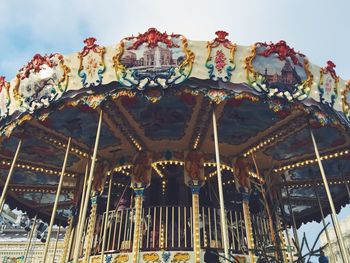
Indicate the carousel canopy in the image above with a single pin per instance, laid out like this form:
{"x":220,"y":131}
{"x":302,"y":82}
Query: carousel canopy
{"x":157,"y":92}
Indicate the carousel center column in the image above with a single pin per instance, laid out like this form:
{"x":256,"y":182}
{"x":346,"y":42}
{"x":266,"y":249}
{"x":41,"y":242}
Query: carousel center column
{"x":138,"y":191}
{"x":194,"y":178}
{"x":195,"y":188}
{"x":243,"y":185}
{"x":248,"y":224}
{"x":141,"y":177}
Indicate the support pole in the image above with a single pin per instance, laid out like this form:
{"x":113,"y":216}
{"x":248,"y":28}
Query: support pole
{"x":266,"y":206}
{"x":67,"y":239}
{"x":106,"y":218}
{"x":248,"y":226}
{"x":221,"y":195}
{"x":295,"y":232}
{"x":195,"y":188}
{"x":58,"y":193}
{"x":57,"y":236}
{"x":344,"y":254}
{"x":324,"y":225}
{"x":87,"y":194}
{"x":138,"y":190}
{"x":4,"y":190}
{"x":32,"y":231}
{"x":90,"y":229}
{"x":80,"y":223}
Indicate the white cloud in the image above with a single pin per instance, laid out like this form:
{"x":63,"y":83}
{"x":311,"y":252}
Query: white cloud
{"x":314,"y":27}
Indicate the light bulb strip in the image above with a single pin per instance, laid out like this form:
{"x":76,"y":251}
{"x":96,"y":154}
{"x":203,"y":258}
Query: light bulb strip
{"x":310,"y":161}
{"x":42,"y":169}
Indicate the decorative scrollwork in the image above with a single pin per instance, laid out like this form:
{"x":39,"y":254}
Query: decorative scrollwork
{"x":221,"y":69}
{"x":153,"y":60}
{"x":5,"y":99}
{"x":328,"y":84}
{"x":345,"y":97}
{"x":43,"y":80}
{"x":267,"y":74}
{"x":92,"y":64}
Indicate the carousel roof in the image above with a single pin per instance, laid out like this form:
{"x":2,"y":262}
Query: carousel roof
{"x":157,"y":92}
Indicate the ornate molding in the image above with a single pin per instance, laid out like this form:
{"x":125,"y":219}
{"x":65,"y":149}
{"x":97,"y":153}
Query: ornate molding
{"x":92,"y":65}
{"x":221,"y":67}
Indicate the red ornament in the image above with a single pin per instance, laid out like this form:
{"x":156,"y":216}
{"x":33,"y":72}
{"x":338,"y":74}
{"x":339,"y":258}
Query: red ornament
{"x":152,"y":37}
{"x":90,"y":45}
{"x":330,"y":69}
{"x":282,"y":50}
{"x":3,"y":83}
{"x":35,"y":65}
{"x":220,"y":60}
{"x":221,"y":36}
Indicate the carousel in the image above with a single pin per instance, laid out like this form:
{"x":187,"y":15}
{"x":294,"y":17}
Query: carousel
{"x":163,"y":149}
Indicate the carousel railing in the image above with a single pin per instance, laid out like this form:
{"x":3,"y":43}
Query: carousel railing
{"x":170,"y":228}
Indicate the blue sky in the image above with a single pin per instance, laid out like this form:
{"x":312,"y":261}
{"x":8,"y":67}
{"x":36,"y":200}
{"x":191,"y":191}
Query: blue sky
{"x":319,"y":29}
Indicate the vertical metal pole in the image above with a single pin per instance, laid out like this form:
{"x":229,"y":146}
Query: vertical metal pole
{"x":221,"y":195}
{"x":58,"y":193}
{"x":336,"y":225}
{"x":248,"y":225}
{"x":80,"y":222}
{"x":195,"y":223}
{"x":120,"y":228}
{"x":295,"y":232}
{"x":106,"y":218}
{"x":209,"y":219}
{"x":266,"y":206}
{"x":179,"y":227}
{"x":57,"y":236}
{"x":30,"y":240}
{"x":172,"y":226}
{"x":185,"y":228}
{"x":324,"y":225}
{"x":88,"y":189}
{"x":137,"y":230}
{"x":166,"y":225}
{"x":4,"y":190}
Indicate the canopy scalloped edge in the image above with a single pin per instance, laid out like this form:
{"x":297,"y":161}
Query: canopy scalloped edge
{"x":154,"y":61}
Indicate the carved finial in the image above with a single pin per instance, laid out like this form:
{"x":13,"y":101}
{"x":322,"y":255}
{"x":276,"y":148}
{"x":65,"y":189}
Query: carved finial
{"x":221,"y":36}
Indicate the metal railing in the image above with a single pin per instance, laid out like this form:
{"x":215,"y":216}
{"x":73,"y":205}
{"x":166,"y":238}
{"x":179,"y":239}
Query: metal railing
{"x":170,"y":228}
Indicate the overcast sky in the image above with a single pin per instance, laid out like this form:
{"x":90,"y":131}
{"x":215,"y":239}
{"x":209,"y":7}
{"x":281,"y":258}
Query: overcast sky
{"x":319,"y":29}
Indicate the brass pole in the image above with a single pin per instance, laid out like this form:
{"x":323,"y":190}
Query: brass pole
{"x":344,"y":254}
{"x":138,"y":190}
{"x":195,"y":188}
{"x":266,"y":206}
{"x":88,"y":189}
{"x":324,"y":225}
{"x":80,"y":222}
{"x":106,"y":218}
{"x":221,"y":195}
{"x":57,"y":236}
{"x":295,"y":232}
{"x":4,"y":190}
{"x":30,"y":240}
{"x":58,"y":193}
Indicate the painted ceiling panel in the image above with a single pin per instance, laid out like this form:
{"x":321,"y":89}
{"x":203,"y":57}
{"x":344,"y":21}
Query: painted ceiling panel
{"x":300,"y":143}
{"x":37,"y":151}
{"x":238,"y":123}
{"x":165,"y":119}
{"x":81,"y":124}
